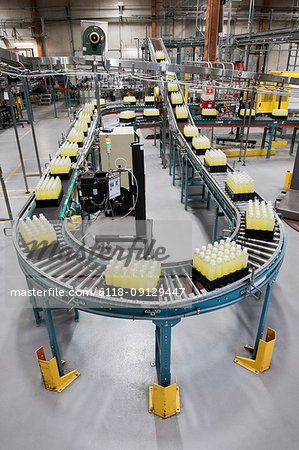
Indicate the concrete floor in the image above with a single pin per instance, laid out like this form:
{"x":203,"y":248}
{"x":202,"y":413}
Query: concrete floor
{"x":223,"y":406}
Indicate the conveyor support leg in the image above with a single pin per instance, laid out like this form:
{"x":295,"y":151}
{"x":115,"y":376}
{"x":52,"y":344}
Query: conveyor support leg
{"x":214,"y":238}
{"x":52,"y":337}
{"x":164,"y":399}
{"x":263,"y":349}
{"x":293,"y":141}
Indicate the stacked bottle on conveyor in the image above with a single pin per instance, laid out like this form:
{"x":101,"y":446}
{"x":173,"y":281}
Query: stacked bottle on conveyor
{"x":85,"y":117}
{"x":176,"y":98}
{"x":160,"y":55}
{"x":190,"y":131}
{"x":201,"y":144}
{"x":209,"y":113}
{"x":181,"y":113}
{"x":242,"y":112}
{"x":48,"y":192}
{"x":81,"y":125}
{"x":149,"y":99}
{"x":37,"y":232}
{"x":127,"y":116}
{"x":280,"y":113}
{"x":260,"y":220}
{"x":61,"y":166}
{"x":217,"y":265}
{"x":76,"y":136}
{"x":240,"y":186}
{"x":102,"y":102}
{"x":215,"y":160}
{"x":129,"y":99}
{"x":172,"y":87}
{"x":151,"y":112}
{"x":89,"y":107}
{"x":69,"y":149}
{"x":141,"y":274}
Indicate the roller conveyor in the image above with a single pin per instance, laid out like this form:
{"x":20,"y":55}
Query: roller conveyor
{"x":73,"y":265}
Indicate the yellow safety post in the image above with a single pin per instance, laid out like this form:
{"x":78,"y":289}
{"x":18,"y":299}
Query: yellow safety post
{"x":49,"y":369}
{"x":287,"y":183}
{"x":263,"y":355}
{"x":186,"y":87}
{"x":164,"y":401}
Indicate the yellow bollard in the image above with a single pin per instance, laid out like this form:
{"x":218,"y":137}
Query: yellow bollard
{"x":287,"y":183}
{"x":164,"y":401}
{"x":263,"y":355}
{"x":49,"y":369}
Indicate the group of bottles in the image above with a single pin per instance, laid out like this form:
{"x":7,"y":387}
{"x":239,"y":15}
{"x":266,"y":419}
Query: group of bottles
{"x":129,"y":99}
{"x":215,"y":158}
{"x":85,"y":116}
{"x":242,"y":112}
{"x":221,"y":259}
{"x":151,"y":112}
{"x":201,"y":142}
{"x":190,"y":131}
{"x":89,"y":107}
{"x":209,"y":112}
{"x":60,"y":165}
{"x":260,"y":215}
{"x":76,"y":136}
{"x":37,"y":229}
{"x":127,"y":115}
{"x":141,"y":274}
{"x":69,"y":149}
{"x":149,"y":99}
{"x":48,"y":189}
{"x":172,"y":87}
{"x":81,"y":125}
{"x":240,"y":183}
{"x":181,"y":112}
{"x":160,"y":55}
{"x":280,"y":112}
{"x":176,"y":98}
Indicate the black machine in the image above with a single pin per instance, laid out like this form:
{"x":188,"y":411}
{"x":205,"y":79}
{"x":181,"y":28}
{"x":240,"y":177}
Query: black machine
{"x":101,"y":191}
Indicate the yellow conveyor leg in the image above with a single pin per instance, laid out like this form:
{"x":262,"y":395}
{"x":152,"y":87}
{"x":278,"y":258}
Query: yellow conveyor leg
{"x":287,"y":183}
{"x":49,"y":369}
{"x":263,"y":355}
{"x":164,"y":401}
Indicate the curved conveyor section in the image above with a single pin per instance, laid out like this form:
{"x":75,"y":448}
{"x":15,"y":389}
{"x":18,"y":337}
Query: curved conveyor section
{"x":72,"y":267}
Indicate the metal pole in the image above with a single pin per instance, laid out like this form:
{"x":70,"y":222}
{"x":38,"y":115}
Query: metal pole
{"x":10,"y":217}
{"x":214,"y":238}
{"x":26,"y":100}
{"x":164,"y":162}
{"x":33,"y":133}
{"x":97,"y":93}
{"x":248,"y":127}
{"x":261,"y":326}
{"x":65,"y":96}
{"x":52,"y":337}
{"x":17,"y":136}
{"x":163,"y":350}
{"x":155,"y":136}
{"x":54,"y":100}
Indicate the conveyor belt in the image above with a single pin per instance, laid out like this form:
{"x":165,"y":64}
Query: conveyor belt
{"x":74,"y":266}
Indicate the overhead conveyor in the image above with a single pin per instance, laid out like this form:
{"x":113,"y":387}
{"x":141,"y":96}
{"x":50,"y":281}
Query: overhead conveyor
{"x":74,"y":264}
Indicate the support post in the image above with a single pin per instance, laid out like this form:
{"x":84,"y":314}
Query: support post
{"x":170,"y":151}
{"x":293,"y":140}
{"x":173,"y":162}
{"x":33,"y":304}
{"x":54,"y":99}
{"x":164,"y":397}
{"x":272,"y":129}
{"x":264,"y":312}
{"x":263,"y":349}
{"x":264,"y":137}
{"x":33,"y":130}
{"x":52,"y":336}
{"x":6,"y":198}
{"x":17,"y":136}
{"x":186,"y":185}
{"x":163,"y":350}
{"x":215,"y":227}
